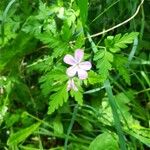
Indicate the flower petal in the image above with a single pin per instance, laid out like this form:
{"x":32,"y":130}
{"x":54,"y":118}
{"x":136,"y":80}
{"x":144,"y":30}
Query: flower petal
{"x":68,"y":59}
{"x":71,"y":71}
{"x":82,"y":74}
{"x":79,"y":55}
{"x":71,"y":85}
{"x":86,"y":65}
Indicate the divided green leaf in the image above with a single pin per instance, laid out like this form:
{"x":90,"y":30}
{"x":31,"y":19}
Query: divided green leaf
{"x":41,"y":65}
{"x":55,"y":42}
{"x":120,"y":63}
{"x":94,"y":78}
{"x":52,"y":80}
{"x":58,"y":99}
{"x":123,"y":101}
{"x":137,"y":134}
{"x":78,"y":96}
{"x":104,"y":60}
{"x":118,"y":42}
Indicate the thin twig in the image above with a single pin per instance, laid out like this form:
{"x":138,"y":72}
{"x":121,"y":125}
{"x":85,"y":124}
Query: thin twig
{"x":120,"y":24}
{"x":116,"y":26}
{"x":105,"y":11}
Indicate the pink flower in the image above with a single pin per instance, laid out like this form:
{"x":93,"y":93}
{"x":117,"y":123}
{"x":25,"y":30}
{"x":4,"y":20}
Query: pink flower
{"x":71,"y":85}
{"x":78,"y":66}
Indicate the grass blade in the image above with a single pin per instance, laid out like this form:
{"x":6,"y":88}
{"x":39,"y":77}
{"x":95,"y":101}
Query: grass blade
{"x":115,"y":115}
{"x":70,"y":126}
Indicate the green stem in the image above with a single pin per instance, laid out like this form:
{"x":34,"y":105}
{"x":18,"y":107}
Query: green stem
{"x":72,"y":139}
{"x":42,"y":121}
{"x":70,"y":126}
{"x":133,"y":51}
{"x":115,"y":115}
{"x":142,"y":23}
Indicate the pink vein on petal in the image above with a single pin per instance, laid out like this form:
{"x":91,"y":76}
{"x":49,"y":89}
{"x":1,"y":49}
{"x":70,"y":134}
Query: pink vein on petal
{"x":68,"y":59}
{"x":86,"y":65}
{"x":71,"y":71}
{"x":82,"y":74}
{"x":79,"y":55}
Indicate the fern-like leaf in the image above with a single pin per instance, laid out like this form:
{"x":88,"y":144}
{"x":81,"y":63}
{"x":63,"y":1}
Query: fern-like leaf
{"x":104,"y":60}
{"x":58,"y":99}
{"x":120,"y":63}
{"x":118,"y":42}
{"x":52,"y":80}
{"x":41,"y":65}
{"x":94,"y":78}
{"x":55,"y":42}
{"x":78,"y":96}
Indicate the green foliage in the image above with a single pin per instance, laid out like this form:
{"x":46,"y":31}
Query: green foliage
{"x":120,"y":63}
{"x":83,"y":5}
{"x":41,"y":65}
{"x":58,"y":99}
{"x":94,"y":78}
{"x":55,"y":42}
{"x":16,"y":50}
{"x":52,"y":80}
{"x":34,"y":38}
{"x":104,"y":141}
{"x":137,"y":134}
{"x":116,"y":117}
{"x":20,"y":136}
{"x":78,"y":96}
{"x":3,"y":111}
{"x":58,"y":126}
{"x":104,"y":60}
{"x":118,"y":42}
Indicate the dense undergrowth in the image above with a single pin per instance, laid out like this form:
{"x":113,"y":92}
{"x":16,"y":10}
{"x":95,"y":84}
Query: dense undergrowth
{"x":42,"y":107}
